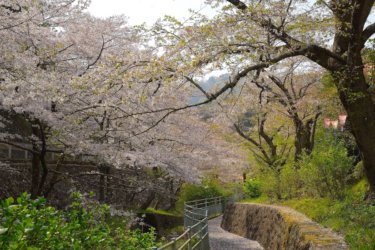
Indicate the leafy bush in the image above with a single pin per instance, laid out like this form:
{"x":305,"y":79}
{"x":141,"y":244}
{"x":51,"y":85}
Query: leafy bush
{"x":326,"y":171}
{"x":251,"y":188}
{"x":207,"y":189}
{"x":292,"y":183}
{"x":269,"y":182}
{"x":31,"y":224}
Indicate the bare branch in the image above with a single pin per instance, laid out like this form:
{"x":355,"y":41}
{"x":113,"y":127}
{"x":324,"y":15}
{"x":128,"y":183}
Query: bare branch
{"x":19,"y":146}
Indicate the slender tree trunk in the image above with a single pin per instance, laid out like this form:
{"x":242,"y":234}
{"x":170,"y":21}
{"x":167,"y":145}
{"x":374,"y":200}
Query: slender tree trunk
{"x":35,"y":175}
{"x":35,"y":165}
{"x":103,"y":181}
{"x":304,"y":140}
{"x":55,"y":175}
{"x":43,"y":153}
{"x":44,"y":174}
{"x":38,"y":161}
{"x":101,"y":188}
{"x":108,"y":188}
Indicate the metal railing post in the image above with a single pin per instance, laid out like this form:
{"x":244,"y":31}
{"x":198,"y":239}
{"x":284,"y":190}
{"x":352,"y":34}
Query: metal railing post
{"x":189,"y":238}
{"x":174,"y":245}
{"x":196,"y":215}
{"x":185,"y":218}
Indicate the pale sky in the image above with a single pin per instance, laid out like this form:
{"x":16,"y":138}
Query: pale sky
{"x":148,"y":11}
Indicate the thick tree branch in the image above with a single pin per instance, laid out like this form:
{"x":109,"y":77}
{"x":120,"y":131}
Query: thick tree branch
{"x":315,"y":53}
{"x":197,"y":86}
{"x":239,"y":4}
{"x":267,"y":158}
{"x":368,"y":32}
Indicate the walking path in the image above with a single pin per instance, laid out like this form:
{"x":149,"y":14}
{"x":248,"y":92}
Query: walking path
{"x":223,"y":240}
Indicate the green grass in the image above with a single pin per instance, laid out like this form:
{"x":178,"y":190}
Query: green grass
{"x":261,"y":199}
{"x":351,"y":217}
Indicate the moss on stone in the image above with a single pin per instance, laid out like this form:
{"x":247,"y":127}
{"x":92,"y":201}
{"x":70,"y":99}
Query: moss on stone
{"x":292,"y":229}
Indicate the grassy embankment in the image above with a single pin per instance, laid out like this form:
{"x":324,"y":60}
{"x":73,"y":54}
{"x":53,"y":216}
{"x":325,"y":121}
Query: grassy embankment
{"x":351,"y":217}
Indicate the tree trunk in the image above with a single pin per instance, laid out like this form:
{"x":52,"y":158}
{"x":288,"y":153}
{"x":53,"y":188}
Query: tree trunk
{"x":305,"y":135}
{"x":54,"y":180}
{"x":304,"y":139}
{"x":101,"y":188}
{"x":44,"y":174}
{"x":44,"y":168}
{"x":108,"y":188}
{"x":150,"y":198}
{"x":103,"y":181}
{"x":357,"y":101}
{"x":35,"y":174}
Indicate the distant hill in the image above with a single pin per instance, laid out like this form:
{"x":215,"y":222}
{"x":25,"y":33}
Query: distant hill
{"x":208,"y":85}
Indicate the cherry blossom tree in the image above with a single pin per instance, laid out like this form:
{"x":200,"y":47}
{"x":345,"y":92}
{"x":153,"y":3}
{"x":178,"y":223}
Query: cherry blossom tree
{"x":92,"y":86}
{"x":249,"y":36}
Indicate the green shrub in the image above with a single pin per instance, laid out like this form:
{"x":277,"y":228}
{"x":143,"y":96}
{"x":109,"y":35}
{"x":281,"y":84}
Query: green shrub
{"x":234,"y":190}
{"x":291,"y":182}
{"x":251,"y":188}
{"x":207,"y":189}
{"x":270,"y":183}
{"x":31,"y":224}
{"x":326,"y":171}
{"x":358,"y":172}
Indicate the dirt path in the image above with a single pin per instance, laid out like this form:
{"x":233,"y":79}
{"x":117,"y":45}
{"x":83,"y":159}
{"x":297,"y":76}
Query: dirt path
{"x":223,"y":240}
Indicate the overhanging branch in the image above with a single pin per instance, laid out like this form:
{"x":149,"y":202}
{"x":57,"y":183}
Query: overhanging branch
{"x":368,"y":32}
{"x":239,"y":4}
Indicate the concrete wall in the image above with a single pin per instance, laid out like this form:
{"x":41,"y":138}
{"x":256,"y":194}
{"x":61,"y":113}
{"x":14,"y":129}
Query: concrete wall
{"x":277,"y":227}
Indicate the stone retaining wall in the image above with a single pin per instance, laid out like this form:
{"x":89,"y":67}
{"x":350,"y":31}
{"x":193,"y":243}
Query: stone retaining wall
{"x":277,"y":227}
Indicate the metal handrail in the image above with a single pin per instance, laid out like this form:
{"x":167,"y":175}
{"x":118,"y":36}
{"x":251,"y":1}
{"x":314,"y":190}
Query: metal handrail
{"x":196,"y":215}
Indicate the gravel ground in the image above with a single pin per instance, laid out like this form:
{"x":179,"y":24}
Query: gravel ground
{"x":223,"y":240}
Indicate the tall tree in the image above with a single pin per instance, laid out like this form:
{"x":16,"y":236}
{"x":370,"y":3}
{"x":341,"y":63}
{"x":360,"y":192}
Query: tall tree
{"x":252,"y":35}
{"x":90,"y":86}
{"x":293,"y":93}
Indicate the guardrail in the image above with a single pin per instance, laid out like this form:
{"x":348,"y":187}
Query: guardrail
{"x":196,"y":215}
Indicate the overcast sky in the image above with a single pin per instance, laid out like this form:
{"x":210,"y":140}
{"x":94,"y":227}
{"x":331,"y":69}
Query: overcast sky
{"x":147,"y":11}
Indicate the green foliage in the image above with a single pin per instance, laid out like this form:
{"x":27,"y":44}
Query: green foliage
{"x":358,"y":171}
{"x":207,"y":189}
{"x":353,"y":218}
{"x":251,"y":188}
{"x":326,"y":171}
{"x":350,"y":216}
{"x":321,"y":186}
{"x":291,"y":182}
{"x":31,"y":224}
{"x":329,"y":96}
{"x":269,"y":182}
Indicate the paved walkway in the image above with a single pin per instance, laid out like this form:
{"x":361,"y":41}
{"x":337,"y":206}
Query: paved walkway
{"x":223,"y":240}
